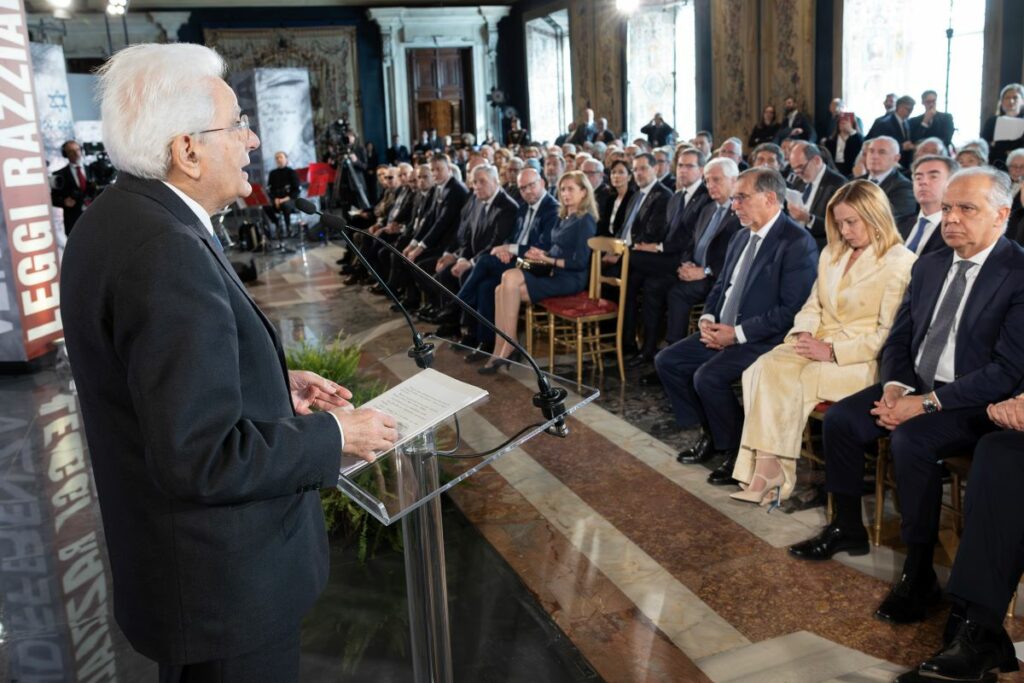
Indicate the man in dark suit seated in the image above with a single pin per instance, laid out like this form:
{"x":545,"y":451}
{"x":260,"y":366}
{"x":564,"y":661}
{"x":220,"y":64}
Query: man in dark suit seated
{"x":922,"y":233}
{"x":768,"y":272}
{"x":644,"y":231}
{"x":594,"y":170}
{"x":820,"y":183}
{"x":897,"y":126}
{"x":399,"y":276}
{"x":700,"y":262}
{"x":682,"y":213}
{"x":988,"y":562}
{"x":881,"y":156}
{"x":956,"y":346}
{"x":206,"y":455}
{"x":282,"y":189}
{"x":490,"y":224}
{"x":535,"y":219}
{"x":932,"y":123}
{"x":397,"y":152}
{"x":393,"y":225}
{"x":72,"y":187}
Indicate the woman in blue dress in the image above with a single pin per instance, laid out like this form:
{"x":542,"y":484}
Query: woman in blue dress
{"x":567,"y":252}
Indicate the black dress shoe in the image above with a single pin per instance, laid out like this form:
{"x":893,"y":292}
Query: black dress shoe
{"x":356,"y":279}
{"x":376,"y":289}
{"x":909,"y":599}
{"x":829,"y":542}
{"x":468,"y":341}
{"x":477,"y":356}
{"x":722,"y":475}
{"x":702,"y":451}
{"x":976,"y":654}
{"x":638,"y":361}
{"x":651,"y":379}
{"x":449,"y":331}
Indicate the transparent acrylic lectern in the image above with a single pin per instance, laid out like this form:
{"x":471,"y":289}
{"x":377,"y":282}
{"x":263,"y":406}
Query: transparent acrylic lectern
{"x":405,"y":484}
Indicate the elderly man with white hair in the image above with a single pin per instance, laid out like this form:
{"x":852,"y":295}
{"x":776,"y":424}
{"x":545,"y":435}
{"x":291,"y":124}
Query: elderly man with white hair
{"x":206,"y":455}
{"x":882,"y":158}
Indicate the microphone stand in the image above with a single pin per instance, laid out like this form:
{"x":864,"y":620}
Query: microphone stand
{"x":551,"y":400}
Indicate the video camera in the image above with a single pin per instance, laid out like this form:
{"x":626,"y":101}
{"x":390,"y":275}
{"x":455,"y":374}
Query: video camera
{"x":103,"y":172}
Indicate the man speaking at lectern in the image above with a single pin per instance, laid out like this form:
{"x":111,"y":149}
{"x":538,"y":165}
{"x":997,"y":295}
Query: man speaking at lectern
{"x":206,"y":459}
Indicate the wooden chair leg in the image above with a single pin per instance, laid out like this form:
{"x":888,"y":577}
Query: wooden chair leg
{"x":881,"y":470}
{"x":1013,"y":606}
{"x":551,"y":343}
{"x":529,"y":330}
{"x":579,"y":354}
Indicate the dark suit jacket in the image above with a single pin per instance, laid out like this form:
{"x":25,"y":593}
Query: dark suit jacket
{"x":650,"y":222}
{"x":935,"y":243}
{"x":283,"y":182}
{"x":64,"y":186}
{"x":999,"y":150}
{"x":900,"y":193}
{"x":830,"y":183}
{"x":422,"y":215}
{"x":606,"y":227}
{"x":206,"y":477}
{"x":401,"y":210}
{"x":715,"y":256}
{"x":544,"y":221}
{"x":397,"y":154}
{"x":853,"y":147}
{"x":658,"y":134}
{"x":989,"y":361}
{"x":494,"y":228}
{"x":941,"y":128}
{"x":778,"y":284}
{"x":799,"y":121}
{"x":682,"y":224}
{"x":890,"y":125}
{"x":445,"y":221}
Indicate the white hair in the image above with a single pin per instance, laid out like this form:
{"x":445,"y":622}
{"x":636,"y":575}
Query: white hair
{"x":728,"y":167}
{"x":149,"y":94}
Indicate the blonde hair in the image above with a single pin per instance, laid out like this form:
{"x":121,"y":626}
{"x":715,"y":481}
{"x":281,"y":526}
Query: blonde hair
{"x":873,"y":207}
{"x":588,"y":204}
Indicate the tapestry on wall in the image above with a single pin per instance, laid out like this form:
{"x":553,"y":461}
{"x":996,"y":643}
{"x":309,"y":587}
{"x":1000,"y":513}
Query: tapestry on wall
{"x":329,"y":54}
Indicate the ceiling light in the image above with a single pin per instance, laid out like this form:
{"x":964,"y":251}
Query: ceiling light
{"x":627,"y":6}
{"x":59,"y":4}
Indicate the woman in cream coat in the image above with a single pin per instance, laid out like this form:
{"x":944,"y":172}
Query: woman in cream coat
{"x":832,"y":350}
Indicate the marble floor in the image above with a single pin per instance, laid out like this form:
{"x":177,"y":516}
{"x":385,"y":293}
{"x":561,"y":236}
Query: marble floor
{"x":595,"y":557}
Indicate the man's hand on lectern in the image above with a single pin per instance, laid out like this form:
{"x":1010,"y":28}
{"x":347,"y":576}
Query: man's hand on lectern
{"x":367,"y":431}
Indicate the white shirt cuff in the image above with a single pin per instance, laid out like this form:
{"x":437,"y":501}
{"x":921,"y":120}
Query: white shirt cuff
{"x":908,"y":389}
{"x":707,"y":316}
{"x":341,"y":430}
{"x":659,"y":247}
{"x":740,"y":337}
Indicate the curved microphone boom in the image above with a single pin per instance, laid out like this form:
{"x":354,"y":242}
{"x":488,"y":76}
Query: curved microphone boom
{"x":421,"y":351}
{"x":551,"y":400}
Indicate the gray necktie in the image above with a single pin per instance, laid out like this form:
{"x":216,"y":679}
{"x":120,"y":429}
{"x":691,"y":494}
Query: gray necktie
{"x":701,"y":252}
{"x":938,"y":333}
{"x":739,"y":283}
{"x":524,"y":234}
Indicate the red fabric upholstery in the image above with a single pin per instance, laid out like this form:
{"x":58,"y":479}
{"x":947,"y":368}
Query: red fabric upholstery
{"x":823,"y":406}
{"x":579,"y":306}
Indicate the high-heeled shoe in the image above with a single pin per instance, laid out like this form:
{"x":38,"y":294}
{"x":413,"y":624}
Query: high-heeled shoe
{"x":499,"y":363}
{"x":772,"y":488}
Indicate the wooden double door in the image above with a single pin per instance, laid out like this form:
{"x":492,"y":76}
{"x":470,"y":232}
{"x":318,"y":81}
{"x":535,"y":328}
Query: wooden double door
{"x":441,"y":91}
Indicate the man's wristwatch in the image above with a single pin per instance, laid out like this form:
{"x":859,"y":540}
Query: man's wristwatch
{"x":929,"y":404}
{"x":707,"y":271}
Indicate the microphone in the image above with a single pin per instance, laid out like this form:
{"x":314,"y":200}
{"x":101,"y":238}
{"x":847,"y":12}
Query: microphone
{"x":550,"y":400}
{"x":420,"y":351}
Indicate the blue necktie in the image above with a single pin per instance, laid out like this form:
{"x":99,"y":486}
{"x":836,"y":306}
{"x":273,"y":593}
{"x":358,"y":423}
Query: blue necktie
{"x":701,"y":252}
{"x":915,"y":242}
{"x":217,"y":243}
{"x":807,"y":192}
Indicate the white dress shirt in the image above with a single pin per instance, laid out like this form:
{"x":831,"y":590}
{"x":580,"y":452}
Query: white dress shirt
{"x":204,"y":218}
{"x":516,"y":248}
{"x":946,"y":369}
{"x":814,"y":193}
{"x":763,"y":235}
{"x":881,"y":178}
{"x":643,"y":191}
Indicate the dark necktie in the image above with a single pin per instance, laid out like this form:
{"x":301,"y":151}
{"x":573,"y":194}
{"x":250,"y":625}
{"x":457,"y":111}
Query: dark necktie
{"x":915,"y":241}
{"x":938,"y":333}
{"x":701,"y":252}
{"x":677,"y":211}
{"x":739,"y":283}
{"x":627,"y":227}
{"x":807,"y":193}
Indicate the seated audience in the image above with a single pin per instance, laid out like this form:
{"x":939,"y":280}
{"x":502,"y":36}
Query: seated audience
{"x":602,"y":134}
{"x":594,"y":170}
{"x":422,"y":211}
{"x":748,"y":312}
{"x":283,"y":189}
{"x":710,"y":227}
{"x":988,"y":563}
{"x":971,"y":157}
{"x":954,"y":349}
{"x":837,"y":109}
{"x":795,"y":124}
{"x":930,"y":147}
{"x":536,"y":217}
{"x":1011,"y":103}
{"x":568,"y":255}
{"x":881,"y":158}
{"x":844,"y":145}
{"x":732,"y":148}
{"x":703,"y":141}
{"x":391,"y":229}
{"x":819,"y":184}
{"x":932,"y":123}
{"x":663,"y":167}
{"x":554,"y":167}
{"x":765,"y":129}
{"x":832,"y":349}
{"x":613,"y":211}
{"x":922,"y":233}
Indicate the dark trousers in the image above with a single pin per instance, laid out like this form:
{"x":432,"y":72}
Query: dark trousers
{"x":916,"y":447}
{"x":273,"y":663}
{"x":645,"y":270}
{"x":478,"y":291}
{"x":990,"y":558}
{"x":699,"y":381}
{"x":273,"y":212}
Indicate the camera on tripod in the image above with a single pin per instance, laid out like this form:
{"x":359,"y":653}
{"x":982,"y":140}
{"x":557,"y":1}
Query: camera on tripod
{"x":103,"y":172}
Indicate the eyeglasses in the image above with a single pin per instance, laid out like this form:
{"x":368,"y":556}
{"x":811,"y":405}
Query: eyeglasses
{"x":243,"y":124}
{"x":741,"y":198}
{"x":528,"y":185}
